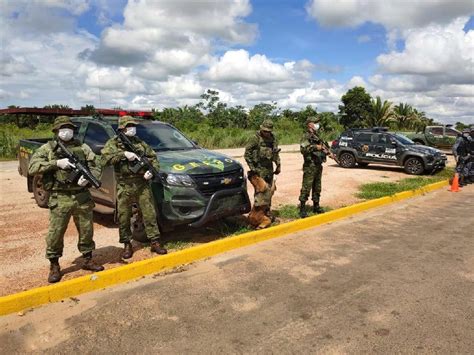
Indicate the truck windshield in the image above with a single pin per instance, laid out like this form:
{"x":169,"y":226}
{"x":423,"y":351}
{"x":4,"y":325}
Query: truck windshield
{"x":403,"y":139}
{"x":162,"y":137}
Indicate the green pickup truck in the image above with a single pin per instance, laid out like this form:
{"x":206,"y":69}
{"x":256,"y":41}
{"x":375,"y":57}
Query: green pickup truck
{"x":197,"y":185}
{"x":441,"y":137}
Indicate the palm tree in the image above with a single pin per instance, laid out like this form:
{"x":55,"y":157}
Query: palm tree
{"x":382,"y":113}
{"x":404,"y":115}
{"x":420,"y":121}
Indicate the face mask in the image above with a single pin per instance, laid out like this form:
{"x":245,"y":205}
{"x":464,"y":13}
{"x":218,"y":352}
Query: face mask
{"x":130,"y":131}
{"x":316,"y":126}
{"x":65,"y":134}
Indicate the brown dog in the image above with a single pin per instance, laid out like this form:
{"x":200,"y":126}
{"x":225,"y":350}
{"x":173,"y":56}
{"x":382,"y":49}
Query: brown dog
{"x":258,"y":217}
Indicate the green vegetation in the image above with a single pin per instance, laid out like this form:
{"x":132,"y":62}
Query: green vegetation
{"x":375,"y":190}
{"x":291,"y":212}
{"x":11,"y":134}
{"x":176,"y":245}
{"x":214,"y":124}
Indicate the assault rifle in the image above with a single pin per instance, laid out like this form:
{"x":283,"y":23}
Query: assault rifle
{"x":78,"y":169}
{"x":142,"y":161}
{"x":325,"y":148}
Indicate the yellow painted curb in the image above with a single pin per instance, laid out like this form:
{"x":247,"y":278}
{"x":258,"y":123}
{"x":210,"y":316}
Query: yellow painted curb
{"x":52,"y":293}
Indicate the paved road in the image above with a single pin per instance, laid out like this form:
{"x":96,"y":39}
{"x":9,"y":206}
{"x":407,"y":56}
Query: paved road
{"x":397,"y":279}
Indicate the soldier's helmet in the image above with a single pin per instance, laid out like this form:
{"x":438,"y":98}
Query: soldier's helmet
{"x":62,"y":121}
{"x":125,"y":121}
{"x":267,"y":125}
{"x":312,"y":119}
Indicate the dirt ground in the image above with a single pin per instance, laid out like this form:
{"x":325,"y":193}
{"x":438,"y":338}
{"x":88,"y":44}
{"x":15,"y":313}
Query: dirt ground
{"x":355,"y":286}
{"x":23,"y":225}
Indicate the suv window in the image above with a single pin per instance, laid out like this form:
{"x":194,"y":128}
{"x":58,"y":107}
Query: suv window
{"x":436,"y":131}
{"x":451,"y":132}
{"x":364,"y":137}
{"x":96,"y":136}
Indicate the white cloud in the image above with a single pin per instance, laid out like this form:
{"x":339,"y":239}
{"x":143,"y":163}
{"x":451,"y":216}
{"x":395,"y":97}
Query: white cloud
{"x":180,"y":87}
{"x":152,"y":28}
{"x":445,"y":53}
{"x":389,"y":13}
{"x":239,"y":66}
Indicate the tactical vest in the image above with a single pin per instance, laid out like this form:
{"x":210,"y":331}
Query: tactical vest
{"x":122,"y":169}
{"x":56,"y":180}
{"x":265,"y":149}
{"x":319,"y":156}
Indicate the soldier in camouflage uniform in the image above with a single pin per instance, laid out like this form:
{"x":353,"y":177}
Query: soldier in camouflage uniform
{"x":314,"y":157}
{"x":66,"y":198}
{"x":133,"y":187}
{"x":262,"y":151}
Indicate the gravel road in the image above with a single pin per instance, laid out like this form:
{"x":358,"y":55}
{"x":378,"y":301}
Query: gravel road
{"x":24,"y":225}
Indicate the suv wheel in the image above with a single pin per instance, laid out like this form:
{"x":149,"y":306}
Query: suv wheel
{"x":414,"y":166}
{"x":347,"y":160}
{"x":40,"y":194}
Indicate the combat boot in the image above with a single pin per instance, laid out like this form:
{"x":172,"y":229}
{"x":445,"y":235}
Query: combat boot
{"x":127,"y":251}
{"x":303,"y":213}
{"x":89,"y":264}
{"x":317,"y":209}
{"x":54,"y":271}
{"x":157,"y":248}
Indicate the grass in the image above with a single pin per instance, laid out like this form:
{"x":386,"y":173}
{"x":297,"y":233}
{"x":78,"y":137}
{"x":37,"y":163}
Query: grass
{"x":291,"y":212}
{"x":220,"y":138}
{"x":10,"y":136}
{"x":375,"y":190}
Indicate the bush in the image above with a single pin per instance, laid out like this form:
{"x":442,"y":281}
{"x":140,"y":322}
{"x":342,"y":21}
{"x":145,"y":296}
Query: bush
{"x":10,"y":136}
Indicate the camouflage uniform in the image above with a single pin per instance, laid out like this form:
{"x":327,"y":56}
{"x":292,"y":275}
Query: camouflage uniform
{"x":313,"y":157}
{"x":66,"y":199}
{"x":132,"y":187}
{"x":261,"y":152}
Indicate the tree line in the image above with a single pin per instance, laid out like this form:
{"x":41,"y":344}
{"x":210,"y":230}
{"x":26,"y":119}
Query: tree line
{"x":358,"y":109}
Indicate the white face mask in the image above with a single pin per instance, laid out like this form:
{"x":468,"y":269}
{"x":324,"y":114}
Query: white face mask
{"x":65,"y":134}
{"x":316,"y":126}
{"x":130,"y":131}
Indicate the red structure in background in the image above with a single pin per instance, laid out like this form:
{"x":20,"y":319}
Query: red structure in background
{"x":71,"y":112}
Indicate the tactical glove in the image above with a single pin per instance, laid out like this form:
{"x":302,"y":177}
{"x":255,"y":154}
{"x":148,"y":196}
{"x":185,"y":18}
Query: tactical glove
{"x":82,"y":182}
{"x":148,"y":175}
{"x":64,"y":163}
{"x":277,"y":170}
{"x":130,"y":156}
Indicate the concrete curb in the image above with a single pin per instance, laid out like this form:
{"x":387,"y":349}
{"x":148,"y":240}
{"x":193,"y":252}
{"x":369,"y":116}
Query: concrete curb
{"x":52,"y":293}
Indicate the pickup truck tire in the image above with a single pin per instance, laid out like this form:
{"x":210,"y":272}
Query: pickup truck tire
{"x":414,"y":166}
{"x":40,"y":194}
{"x":347,"y":160}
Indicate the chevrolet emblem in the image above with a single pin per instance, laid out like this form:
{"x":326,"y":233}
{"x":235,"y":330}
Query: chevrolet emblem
{"x":226,"y":181}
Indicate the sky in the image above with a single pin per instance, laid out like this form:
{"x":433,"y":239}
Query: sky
{"x":144,"y":54}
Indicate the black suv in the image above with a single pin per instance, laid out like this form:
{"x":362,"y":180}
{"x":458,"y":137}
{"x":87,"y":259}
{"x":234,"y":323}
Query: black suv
{"x":378,"y":146}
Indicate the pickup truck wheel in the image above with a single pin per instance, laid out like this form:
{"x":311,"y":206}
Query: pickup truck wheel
{"x":347,"y":160}
{"x":414,"y":166}
{"x":40,"y":194}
